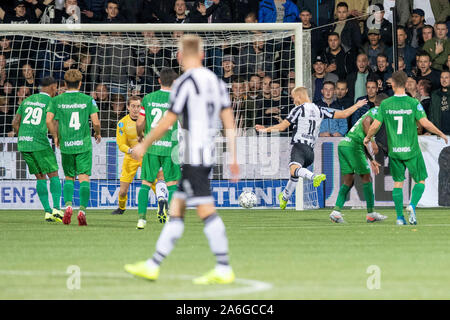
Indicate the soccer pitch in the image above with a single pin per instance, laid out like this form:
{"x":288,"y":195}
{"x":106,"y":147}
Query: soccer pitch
{"x":275,"y":255}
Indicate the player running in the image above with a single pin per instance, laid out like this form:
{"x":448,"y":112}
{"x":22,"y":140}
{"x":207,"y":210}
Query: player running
{"x":159,"y":155}
{"x":72,"y":135}
{"x":33,"y":143}
{"x":399,"y":113}
{"x":306,"y":117}
{"x":201,"y":99}
{"x":352,"y":160}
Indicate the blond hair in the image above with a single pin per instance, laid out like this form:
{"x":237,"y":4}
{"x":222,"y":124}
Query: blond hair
{"x":73,"y":78}
{"x":190,"y":45}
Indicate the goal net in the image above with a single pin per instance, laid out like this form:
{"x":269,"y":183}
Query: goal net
{"x":260,"y":64}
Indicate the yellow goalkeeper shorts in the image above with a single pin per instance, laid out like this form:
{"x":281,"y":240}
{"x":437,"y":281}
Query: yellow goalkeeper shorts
{"x":129,"y":169}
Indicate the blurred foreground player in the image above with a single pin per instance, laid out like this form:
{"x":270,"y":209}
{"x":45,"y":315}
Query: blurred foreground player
{"x":201,"y":99}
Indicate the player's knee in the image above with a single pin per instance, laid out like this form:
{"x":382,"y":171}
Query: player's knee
{"x":293,"y":168}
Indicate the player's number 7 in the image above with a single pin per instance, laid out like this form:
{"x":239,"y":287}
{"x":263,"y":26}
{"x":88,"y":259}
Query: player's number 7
{"x":400,"y":124}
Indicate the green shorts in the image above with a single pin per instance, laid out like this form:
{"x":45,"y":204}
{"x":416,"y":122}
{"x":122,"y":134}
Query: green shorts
{"x":43,"y":161}
{"x":78,"y":163}
{"x":151,"y":164}
{"x":353,"y":160}
{"x":416,"y":167}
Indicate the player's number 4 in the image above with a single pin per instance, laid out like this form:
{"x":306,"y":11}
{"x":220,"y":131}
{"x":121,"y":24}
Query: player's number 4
{"x":400,"y":124}
{"x":75,"y":121}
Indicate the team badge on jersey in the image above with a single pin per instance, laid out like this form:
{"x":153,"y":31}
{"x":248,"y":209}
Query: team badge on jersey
{"x":420,"y":107}
{"x":120,"y":125}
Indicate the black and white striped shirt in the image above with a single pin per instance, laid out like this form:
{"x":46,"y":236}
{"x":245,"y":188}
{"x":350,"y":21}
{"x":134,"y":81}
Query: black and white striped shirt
{"x":307,"y":119}
{"x":198,"y":96}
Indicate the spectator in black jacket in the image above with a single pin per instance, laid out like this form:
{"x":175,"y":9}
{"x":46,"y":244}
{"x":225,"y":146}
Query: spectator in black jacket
{"x":241,"y":8}
{"x":378,"y":22}
{"x":340,"y":61}
{"x":94,"y":10}
{"x":222,"y":12}
{"x":199,"y":12}
{"x":322,"y":10}
{"x":424,"y":70}
{"x":414,"y":31}
{"x":349,"y":30}
{"x":317,"y":34}
{"x":372,"y":91}
{"x":112,"y":12}
{"x":21,"y":14}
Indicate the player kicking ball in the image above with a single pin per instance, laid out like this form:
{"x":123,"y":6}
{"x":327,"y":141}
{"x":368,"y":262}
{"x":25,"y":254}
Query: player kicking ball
{"x":202,"y":101}
{"x":72,"y":135}
{"x":306,"y":117}
{"x":352,"y":160}
{"x":160,"y":154}
{"x":400,"y":114}
{"x":33,"y":143}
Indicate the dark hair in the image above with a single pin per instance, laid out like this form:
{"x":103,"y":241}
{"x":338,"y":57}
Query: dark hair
{"x":401,"y":28}
{"x":329,"y":82}
{"x":422,"y":53}
{"x":112,"y":1}
{"x":237,"y":79}
{"x":440,"y":22}
{"x":382,"y":55}
{"x":47,"y":81}
{"x":333,"y":34}
{"x":372,"y":79}
{"x":167,"y":76}
{"x":399,"y":78}
{"x":342,"y":81}
{"x":342,"y":4}
{"x":429,"y":26}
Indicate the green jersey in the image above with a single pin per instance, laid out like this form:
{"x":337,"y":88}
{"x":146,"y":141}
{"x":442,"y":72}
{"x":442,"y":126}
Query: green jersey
{"x":72,"y":109}
{"x":154,"y":106}
{"x":356,"y":135}
{"x":33,"y":129}
{"x":399,"y":114}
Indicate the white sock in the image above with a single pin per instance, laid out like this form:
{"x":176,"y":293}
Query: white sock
{"x":161,"y":190}
{"x":218,"y":242}
{"x":305,"y":173}
{"x":172,"y":231}
{"x":290,"y":188}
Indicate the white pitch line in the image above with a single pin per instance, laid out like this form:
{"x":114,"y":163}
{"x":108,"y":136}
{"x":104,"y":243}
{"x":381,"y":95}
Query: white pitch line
{"x":250,"y":286}
{"x":378,"y":225}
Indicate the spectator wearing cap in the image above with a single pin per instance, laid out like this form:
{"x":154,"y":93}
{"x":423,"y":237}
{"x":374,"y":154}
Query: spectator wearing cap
{"x":228,"y":66}
{"x":322,"y":10}
{"x":439,"y":47}
{"x":373,"y":47}
{"x":403,"y":9}
{"x":357,"y":80}
{"x":435,"y":10}
{"x":331,"y":127}
{"x":348,"y":30}
{"x":340,"y":61}
{"x":414,"y":30}
{"x":424,"y":70}
{"x":380,"y":23}
{"x":320,"y":76}
{"x":22,"y":14}
{"x":278,"y":11}
{"x":404,"y":50}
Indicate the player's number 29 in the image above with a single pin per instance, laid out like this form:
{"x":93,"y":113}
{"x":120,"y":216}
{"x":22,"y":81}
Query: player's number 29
{"x":34,"y":114}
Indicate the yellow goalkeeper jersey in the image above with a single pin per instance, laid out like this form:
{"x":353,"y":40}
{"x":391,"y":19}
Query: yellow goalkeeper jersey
{"x":126,"y":135}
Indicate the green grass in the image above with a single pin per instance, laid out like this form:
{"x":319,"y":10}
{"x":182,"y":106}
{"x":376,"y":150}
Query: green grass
{"x":292,"y":255}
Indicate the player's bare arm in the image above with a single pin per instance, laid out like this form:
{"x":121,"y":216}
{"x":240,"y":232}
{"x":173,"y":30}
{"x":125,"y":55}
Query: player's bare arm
{"x":96,"y":126}
{"x":157,"y":133}
{"x":372,"y":131}
{"x":16,"y":123}
{"x":230,"y":132}
{"x":52,"y":127}
{"x":371,"y":148}
{"x":343,"y":114}
{"x":427,"y":124}
{"x":282,"y":126}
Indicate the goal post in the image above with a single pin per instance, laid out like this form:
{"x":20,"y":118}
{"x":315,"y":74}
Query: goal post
{"x":85,"y":44}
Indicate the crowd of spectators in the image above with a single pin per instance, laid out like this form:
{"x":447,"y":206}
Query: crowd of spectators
{"x":351,"y":52}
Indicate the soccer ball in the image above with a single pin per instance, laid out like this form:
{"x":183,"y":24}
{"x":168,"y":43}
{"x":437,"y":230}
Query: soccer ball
{"x":247,"y":199}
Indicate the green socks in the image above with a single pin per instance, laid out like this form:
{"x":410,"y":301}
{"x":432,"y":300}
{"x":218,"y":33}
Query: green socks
{"x":85,"y":193}
{"x":416,"y":194}
{"x":68,"y":192}
{"x":397,"y":196}
{"x":368,"y":195}
{"x":143,"y":201}
{"x":172,"y":190}
{"x":55,"y":189}
{"x":342,"y":197}
{"x":41,"y":188}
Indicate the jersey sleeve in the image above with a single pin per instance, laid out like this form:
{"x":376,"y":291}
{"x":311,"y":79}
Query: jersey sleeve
{"x":379,"y":114}
{"x":179,"y":97}
{"x":326,"y":113}
{"x":94,"y":107}
{"x":294,"y":114}
{"x":121,"y":137}
{"x":419,"y":112}
{"x":224,"y":97}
